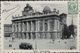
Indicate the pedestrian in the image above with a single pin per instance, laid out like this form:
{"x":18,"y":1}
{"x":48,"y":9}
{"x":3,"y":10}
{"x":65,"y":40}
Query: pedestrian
{"x":13,"y":37}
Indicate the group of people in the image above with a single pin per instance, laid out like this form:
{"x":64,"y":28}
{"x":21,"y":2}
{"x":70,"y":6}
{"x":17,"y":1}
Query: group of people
{"x":68,"y":31}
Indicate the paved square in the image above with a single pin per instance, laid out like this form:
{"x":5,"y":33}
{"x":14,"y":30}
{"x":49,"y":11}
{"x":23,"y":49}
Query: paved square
{"x":42,"y":43}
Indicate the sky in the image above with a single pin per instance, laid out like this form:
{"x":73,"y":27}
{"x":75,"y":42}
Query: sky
{"x":18,"y":6}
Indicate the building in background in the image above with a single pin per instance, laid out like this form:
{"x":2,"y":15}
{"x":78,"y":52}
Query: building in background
{"x":47,"y":24}
{"x":7,"y":30}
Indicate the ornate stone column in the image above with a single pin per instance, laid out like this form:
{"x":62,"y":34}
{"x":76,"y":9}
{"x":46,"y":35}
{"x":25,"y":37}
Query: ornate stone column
{"x":43,"y":25}
{"x":32,"y":26}
{"x":48,"y":28}
{"x":28,"y":26}
{"x":20,"y":30}
{"x":27,"y":35}
{"x":36,"y":28}
{"x":31,"y":29}
{"x":27,"y":30}
{"x":13,"y":29}
{"x":43,"y":29}
{"x":23,"y":27}
{"x":17,"y":29}
{"x":56,"y":28}
{"x":19,"y":26}
{"x":59,"y":30}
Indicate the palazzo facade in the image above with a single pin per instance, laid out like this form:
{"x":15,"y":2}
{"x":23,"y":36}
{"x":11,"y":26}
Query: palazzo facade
{"x":7,"y":30}
{"x":38,"y":25}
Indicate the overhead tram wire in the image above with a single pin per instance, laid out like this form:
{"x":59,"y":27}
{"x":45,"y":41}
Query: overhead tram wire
{"x":13,"y":12}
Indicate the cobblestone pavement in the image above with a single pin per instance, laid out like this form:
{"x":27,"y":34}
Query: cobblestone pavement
{"x":41,"y":43}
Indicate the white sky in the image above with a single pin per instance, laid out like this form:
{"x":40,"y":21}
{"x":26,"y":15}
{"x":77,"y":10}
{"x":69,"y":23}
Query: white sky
{"x":37,"y":5}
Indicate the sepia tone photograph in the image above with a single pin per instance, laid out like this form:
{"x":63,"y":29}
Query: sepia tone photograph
{"x":40,"y":25}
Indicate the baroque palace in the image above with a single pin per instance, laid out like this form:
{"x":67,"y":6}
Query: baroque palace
{"x":47,"y":24}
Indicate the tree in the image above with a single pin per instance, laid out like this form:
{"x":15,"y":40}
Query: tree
{"x":71,"y":29}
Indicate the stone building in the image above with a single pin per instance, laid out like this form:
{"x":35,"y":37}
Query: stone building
{"x":7,"y":30}
{"x":38,"y":25}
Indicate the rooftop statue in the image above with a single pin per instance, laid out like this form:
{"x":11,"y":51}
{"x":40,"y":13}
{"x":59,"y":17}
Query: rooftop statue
{"x":55,"y":11}
{"x":28,"y":8}
{"x":46,"y":10}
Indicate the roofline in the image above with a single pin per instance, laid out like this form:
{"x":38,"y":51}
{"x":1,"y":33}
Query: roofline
{"x":35,"y":17}
{"x":7,"y":24}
